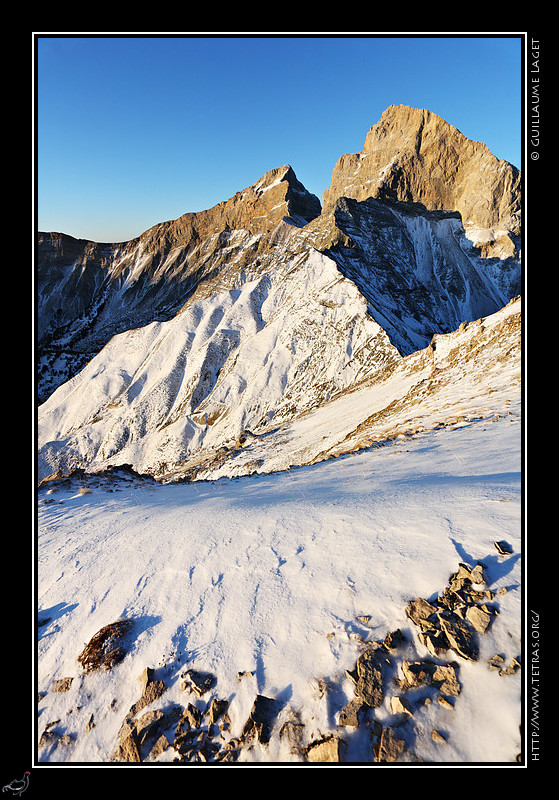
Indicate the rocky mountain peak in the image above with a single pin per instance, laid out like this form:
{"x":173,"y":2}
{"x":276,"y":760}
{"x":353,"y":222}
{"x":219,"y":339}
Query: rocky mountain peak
{"x":413,"y":155}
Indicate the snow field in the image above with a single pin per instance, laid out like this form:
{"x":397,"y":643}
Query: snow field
{"x":267,"y":574}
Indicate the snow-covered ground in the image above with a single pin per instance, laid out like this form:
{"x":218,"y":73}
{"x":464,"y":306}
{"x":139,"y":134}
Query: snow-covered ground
{"x":268,"y":574}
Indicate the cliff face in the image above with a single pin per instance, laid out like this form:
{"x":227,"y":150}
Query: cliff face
{"x":414,"y":155}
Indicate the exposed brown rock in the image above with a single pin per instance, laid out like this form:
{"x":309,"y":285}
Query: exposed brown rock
{"x":496,"y":662}
{"x":128,"y":749}
{"x":419,"y":611}
{"x":391,"y":746}
{"x":49,"y":738}
{"x":435,"y":641}
{"x":352,"y":713}
{"x":445,"y":678}
{"x":325,"y":750}
{"x":427,"y":673}
{"x":399,"y":705}
{"x":105,"y":648}
{"x":151,"y":690}
{"x":394,"y":639}
{"x":461,"y":637}
{"x":218,"y":708}
{"x":369,"y":685}
{"x":261,"y":719}
{"x":198,"y":682}
{"x":159,"y":747}
{"x":62,"y":685}
{"x":503,"y":548}
{"x":413,"y":155}
{"x":478,"y":618}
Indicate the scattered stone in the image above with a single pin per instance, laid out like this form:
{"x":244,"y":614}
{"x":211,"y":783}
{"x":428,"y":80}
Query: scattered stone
{"x":159,"y":747}
{"x":416,"y":673}
{"x":478,"y":618}
{"x":453,"y":600}
{"x":136,"y":738}
{"x":364,"y":619}
{"x":261,"y":719}
{"x":49,"y":738}
{"x":427,"y":673}
{"x":128,"y":750}
{"x":369,"y":684}
{"x":245,"y":674}
{"x":477,"y":575}
{"x":192,"y":716}
{"x":437,"y":736}
{"x":198,"y":682}
{"x":399,"y":705}
{"x":90,"y":724}
{"x":445,"y":702}
{"x":325,"y":750}
{"x":292,"y":730}
{"x":464,"y":577}
{"x":390,"y":747}
{"x":394,"y":639}
{"x":503,"y":548}
{"x":419,"y":611}
{"x":496,"y":662}
{"x":62,"y":685}
{"x":352,"y":713}
{"x":147,"y":727}
{"x":511,"y":669}
{"x":434,"y":641}
{"x":460,"y":637}
{"x":444,"y":678}
{"x":105,"y":648}
{"x":217,"y":709}
{"x":152,"y":690}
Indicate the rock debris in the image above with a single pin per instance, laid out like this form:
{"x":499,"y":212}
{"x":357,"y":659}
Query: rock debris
{"x":383,"y":676}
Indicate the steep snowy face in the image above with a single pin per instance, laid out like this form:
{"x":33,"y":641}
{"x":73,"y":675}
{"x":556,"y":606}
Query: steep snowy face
{"x":419,"y":271}
{"x":463,"y":377}
{"x":237,"y":364}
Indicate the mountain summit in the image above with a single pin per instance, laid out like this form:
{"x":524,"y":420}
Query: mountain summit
{"x":198,"y":348}
{"x":414,"y":155}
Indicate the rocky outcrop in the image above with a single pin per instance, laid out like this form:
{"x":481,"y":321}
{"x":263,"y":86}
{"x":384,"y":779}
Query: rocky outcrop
{"x":393,"y":683}
{"x":413,"y":155}
{"x":106,"y":647}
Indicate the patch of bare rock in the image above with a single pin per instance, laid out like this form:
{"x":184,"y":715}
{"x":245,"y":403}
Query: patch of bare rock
{"x":390,"y":689}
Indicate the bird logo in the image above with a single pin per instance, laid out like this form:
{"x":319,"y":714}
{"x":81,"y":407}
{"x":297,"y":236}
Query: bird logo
{"x":17,"y":787}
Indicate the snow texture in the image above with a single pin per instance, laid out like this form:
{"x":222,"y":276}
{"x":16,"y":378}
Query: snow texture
{"x":268,"y":575}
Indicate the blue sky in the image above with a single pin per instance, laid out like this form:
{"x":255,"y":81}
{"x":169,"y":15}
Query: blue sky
{"x":132,"y":131}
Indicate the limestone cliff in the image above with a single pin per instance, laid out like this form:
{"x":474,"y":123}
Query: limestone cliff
{"x":414,"y":155}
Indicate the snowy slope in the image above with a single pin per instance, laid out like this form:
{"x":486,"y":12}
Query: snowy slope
{"x":284,"y":578}
{"x":245,"y":359}
{"x":270,"y":377}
